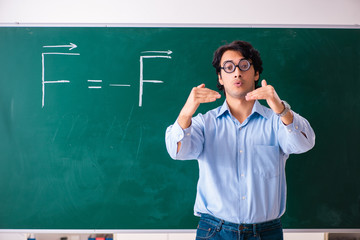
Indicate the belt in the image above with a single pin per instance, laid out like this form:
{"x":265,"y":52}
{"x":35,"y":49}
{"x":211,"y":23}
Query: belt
{"x":244,"y":227}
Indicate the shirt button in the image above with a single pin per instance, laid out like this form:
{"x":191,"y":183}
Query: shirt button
{"x":241,"y":151}
{"x":297,"y":127}
{"x":242,"y":175}
{"x":243,"y":198}
{"x":188,"y":134}
{"x":290,"y":130}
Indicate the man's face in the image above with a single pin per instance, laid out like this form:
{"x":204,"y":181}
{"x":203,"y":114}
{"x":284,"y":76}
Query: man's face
{"x":238,"y":83}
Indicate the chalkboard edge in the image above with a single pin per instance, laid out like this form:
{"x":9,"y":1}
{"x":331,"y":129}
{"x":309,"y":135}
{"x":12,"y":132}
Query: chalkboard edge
{"x":154,"y":231}
{"x":182,"y":25}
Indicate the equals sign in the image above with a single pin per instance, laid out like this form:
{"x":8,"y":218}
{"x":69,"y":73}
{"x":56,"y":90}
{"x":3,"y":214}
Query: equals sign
{"x":94,"y":81}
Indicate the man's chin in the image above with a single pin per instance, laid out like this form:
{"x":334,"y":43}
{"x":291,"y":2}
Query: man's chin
{"x":240,"y":95}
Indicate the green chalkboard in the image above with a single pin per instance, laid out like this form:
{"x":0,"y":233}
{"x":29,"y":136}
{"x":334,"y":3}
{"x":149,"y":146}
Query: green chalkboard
{"x":82,"y":128}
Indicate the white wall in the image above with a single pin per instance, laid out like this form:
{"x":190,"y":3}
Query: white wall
{"x":294,"y":12}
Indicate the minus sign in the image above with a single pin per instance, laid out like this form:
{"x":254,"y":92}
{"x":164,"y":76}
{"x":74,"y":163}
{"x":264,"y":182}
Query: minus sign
{"x":94,"y":87}
{"x":119,"y":85}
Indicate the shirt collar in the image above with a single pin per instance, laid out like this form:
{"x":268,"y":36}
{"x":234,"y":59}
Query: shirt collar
{"x":257,"y":108}
{"x":224,"y":108}
{"x":260,"y":109}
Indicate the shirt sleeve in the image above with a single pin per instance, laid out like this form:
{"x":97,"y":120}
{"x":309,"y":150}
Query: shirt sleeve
{"x":297,"y":137}
{"x":191,"y":140}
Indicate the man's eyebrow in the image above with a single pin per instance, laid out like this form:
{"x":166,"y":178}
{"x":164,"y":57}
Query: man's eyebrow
{"x":229,"y":60}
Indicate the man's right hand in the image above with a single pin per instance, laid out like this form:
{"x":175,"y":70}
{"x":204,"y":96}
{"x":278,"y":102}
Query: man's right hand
{"x":198,"y":95}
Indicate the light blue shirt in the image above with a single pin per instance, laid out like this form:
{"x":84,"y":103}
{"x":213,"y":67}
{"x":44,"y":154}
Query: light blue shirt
{"x":242,"y":166}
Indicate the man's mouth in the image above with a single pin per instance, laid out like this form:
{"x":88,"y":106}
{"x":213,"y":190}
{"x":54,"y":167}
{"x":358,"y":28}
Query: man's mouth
{"x":238,"y":83}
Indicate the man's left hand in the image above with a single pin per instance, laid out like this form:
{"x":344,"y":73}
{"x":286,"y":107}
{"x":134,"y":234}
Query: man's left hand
{"x":268,"y":93}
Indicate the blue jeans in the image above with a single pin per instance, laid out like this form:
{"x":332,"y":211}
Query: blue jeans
{"x":216,"y":229}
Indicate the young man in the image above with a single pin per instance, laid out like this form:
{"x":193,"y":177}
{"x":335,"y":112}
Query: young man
{"x":241,"y":148}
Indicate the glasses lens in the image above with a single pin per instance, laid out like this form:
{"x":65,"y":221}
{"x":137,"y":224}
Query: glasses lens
{"x":229,"y":67}
{"x":244,"y":65}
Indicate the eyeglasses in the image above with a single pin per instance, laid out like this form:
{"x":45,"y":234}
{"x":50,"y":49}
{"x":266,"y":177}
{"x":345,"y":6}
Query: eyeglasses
{"x":229,"y":66}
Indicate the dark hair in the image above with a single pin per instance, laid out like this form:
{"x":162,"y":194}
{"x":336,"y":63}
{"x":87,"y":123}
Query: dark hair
{"x":246,"y":49}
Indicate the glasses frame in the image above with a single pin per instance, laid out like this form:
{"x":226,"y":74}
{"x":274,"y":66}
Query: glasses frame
{"x":238,"y":65}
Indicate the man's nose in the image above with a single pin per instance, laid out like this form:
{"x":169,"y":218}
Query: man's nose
{"x":237,"y":72}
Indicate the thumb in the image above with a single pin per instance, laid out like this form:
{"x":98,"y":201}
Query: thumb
{"x":263,"y":83}
{"x":201,"y":85}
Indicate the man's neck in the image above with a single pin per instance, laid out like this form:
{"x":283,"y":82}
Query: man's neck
{"x":240,"y":108}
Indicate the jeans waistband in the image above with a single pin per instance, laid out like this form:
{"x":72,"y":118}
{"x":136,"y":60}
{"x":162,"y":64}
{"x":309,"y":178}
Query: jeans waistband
{"x":245,"y":227}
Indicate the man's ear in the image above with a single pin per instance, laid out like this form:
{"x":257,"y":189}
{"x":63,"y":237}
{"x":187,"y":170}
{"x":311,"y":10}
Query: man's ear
{"x":257,"y":76}
{"x":220,"y":80}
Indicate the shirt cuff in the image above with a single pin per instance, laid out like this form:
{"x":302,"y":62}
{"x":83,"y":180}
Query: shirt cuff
{"x":180,"y":133}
